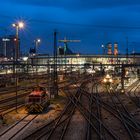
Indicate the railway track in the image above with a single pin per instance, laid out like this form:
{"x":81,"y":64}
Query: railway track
{"x":15,"y":130}
{"x":96,"y":108}
{"x":13,"y":97}
{"x":61,"y":131}
{"x":133,"y":93}
{"x":124,"y":115}
{"x":90,"y":106}
{"x":9,"y":103}
{"x":48,"y":128}
{"x":11,"y":107}
{"x":24,"y":89}
{"x":29,"y":78}
{"x":10,"y":90}
{"x":95,"y":123}
{"x":132,"y":126}
{"x":96,"y":127}
{"x":58,"y":127}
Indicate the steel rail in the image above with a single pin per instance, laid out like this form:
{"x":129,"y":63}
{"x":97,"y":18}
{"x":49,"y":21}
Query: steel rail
{"x":66,"y":126}
{"x":135,"y":125}
{"x":131,"y":135}
{"x":16,"y":124}
{"x":86,"y":113}
{"x":128,"y":115}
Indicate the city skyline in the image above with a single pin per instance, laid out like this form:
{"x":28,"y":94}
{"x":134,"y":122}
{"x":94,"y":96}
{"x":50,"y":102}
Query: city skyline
{"x":94,"y":23}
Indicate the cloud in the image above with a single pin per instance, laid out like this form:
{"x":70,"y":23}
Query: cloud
{"x":77,"y":4}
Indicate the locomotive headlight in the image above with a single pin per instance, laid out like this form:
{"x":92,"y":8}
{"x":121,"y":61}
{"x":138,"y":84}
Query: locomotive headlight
{"x":94,"y":71}
{"x":108,"y":76}
{"x":126,"y":73}
{"x":8,"y":71}
{"x":105,"y":80}
{"x":25,"y":58}
{"x":110,"y":80}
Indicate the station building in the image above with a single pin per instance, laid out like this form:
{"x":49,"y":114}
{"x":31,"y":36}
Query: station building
{"x":85,"y":59}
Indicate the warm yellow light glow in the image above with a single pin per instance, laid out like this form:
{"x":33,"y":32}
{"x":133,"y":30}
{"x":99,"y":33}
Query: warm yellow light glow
{"x":105,"y":80}
{"x":122,"y":91}
{"x":8,"y":71}
{"x":126,"y":73}
{"x":20,"y":24}
{"x":110,"y":80}
{"x":108,"y":76}
{"x":25,"y":58}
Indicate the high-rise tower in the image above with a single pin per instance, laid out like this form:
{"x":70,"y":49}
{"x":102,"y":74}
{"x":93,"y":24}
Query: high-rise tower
{"x":115,"y":48}
{"x":109,"y":46}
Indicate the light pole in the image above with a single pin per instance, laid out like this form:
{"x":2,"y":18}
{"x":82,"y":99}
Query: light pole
{"x":25,"y":59}
{"x":77,"y":57}
{"x":37,"y":42}
{"x":103,"y":47}
{"x":127,"y":50}
{"x":71,"y":66}
{"x":122,"y":78}
{"x":55,"y":74}
{"x":17,"y":26}
{"x":133,"y":52}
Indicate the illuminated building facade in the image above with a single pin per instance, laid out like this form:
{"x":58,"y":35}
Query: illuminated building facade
{"x":7,"y":46}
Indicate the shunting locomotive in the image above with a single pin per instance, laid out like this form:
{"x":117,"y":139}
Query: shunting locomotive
{"x":37,"y":100}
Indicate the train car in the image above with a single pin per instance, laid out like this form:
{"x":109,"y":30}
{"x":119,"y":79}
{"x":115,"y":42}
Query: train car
{"x":37,"y":100}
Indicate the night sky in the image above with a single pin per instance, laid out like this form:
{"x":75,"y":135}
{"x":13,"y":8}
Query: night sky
{"x":94,"y":22}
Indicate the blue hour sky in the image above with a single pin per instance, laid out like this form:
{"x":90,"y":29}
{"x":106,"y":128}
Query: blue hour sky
{"x":94,"y":22}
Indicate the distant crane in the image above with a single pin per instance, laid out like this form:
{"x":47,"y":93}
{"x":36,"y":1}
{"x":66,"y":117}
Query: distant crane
{"x":66,"y":41}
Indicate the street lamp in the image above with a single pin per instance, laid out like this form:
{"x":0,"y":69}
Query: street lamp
{"x":17,"y":26}
{"x":37,"y":41}
{"x":25,"y":59}
{"x":103,"y":47}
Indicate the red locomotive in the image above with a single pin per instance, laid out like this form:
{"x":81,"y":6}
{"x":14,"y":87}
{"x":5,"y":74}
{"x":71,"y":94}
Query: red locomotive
{"x":37,"y":100}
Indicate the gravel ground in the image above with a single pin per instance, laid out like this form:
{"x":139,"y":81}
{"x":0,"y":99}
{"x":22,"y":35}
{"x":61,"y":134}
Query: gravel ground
{"x":116,"y":126}
{"x":40,"y":121}
{"x":77,"y":128}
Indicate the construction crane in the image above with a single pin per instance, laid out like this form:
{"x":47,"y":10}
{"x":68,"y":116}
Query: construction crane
{"x":66,"y":41}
